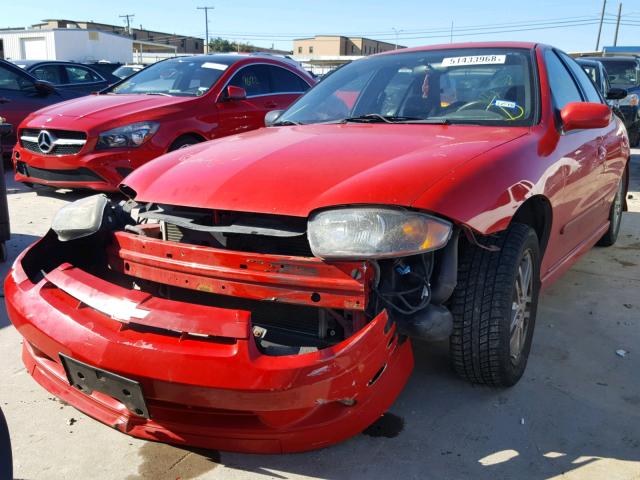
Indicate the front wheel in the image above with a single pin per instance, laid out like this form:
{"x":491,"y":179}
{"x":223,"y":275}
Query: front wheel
{"x":494,"y":307}
{"x":615,"y":215}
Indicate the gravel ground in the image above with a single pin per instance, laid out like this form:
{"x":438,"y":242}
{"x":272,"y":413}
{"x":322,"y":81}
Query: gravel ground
{"x":575,"y":414}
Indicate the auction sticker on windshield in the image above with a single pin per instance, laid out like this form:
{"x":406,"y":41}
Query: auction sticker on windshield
{"x":474,"y":60}
{"x":218,"y":66}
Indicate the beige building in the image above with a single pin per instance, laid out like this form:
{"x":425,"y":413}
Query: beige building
{"x":339,"y":46}
{"x":176,"y":43}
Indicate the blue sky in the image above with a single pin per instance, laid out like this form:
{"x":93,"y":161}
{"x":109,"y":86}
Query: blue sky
{"x":419,"y":22}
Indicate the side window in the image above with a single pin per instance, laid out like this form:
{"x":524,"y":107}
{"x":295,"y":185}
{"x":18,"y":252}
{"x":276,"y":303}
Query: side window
{"x":563,"y":88}
{"x":49,"y":73}
{"x":587,"y":85}
{"x":284,"y":81}
{"x":10,"y":80}
{"x":254,"y":79}
{"x":80,"y":75}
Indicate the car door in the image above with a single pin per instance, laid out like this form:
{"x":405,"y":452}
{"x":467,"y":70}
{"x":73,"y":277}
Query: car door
{"x":82,"y":79}
{"x":19,"y":97}
{"x":286,"y":87}
{"x":611,"y":143}
{"x":581,"y":152}
{"x":236,"y":116}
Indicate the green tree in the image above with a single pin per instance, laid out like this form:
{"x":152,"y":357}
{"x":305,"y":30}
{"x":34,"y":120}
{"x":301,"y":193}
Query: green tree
{"x":220,"y":44}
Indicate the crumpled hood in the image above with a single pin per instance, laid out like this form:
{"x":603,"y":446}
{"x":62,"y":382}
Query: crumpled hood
{"x":103,"y":107}
{"x":295,"y":170}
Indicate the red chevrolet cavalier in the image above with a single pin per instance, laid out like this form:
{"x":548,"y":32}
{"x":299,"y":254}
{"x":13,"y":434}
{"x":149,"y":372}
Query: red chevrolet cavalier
{"x":93,"y":142}
{"x":259,"y":293}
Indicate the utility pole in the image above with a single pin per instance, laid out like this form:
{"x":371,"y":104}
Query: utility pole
{"x":604,"y":5}
{"x":396,"y":31}
{"x":128,"y":17}
{"x":615,"y":38}
{"x":451,"y":34}
{"x":206,"y":25}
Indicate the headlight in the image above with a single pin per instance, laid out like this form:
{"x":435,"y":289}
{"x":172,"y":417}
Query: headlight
{"x":372,"y":232}
{"x":630,"y":100}
{"x":132,"y":135}
{"x":81,"y":218}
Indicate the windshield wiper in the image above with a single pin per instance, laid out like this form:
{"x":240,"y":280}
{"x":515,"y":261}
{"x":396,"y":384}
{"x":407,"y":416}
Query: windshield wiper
{"x":286,"y":123}
{"x":377,"y":118}
{"x":372,"y":118}
{"x":429,"y":121}
{"x":158,"y":93}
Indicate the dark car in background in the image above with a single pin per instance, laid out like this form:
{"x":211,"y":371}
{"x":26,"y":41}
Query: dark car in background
{"x":600,"y":78}
{"x":624,"y":72}
{"x":21,"y":93}
{"x":72,"y":76}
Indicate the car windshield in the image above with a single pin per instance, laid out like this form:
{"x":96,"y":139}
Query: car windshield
{"x":188,"y":76}
{"x":622,"y":73}
{"x":479,"y":86}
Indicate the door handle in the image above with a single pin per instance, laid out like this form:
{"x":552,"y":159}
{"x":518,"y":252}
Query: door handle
{"x":271,"y":105}
{"x":4,"y":100}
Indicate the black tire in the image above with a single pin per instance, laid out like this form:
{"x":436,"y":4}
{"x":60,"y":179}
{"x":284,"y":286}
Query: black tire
{"x":634,"y":136}
{"x":483,"y":308}
{"x":615,"y":215}
{"x":183,"y":142}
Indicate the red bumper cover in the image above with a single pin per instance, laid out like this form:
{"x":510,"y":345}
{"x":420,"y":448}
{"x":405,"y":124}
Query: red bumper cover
{"x":207,"y":384}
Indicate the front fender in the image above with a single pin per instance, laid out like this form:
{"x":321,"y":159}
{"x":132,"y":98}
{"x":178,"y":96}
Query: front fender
{"x":486,"y":192}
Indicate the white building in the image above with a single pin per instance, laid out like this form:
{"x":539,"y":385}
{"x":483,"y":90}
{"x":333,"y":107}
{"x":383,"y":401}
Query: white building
{"x":68,"y":44}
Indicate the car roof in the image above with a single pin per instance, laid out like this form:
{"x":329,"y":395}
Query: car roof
{"x":615,"y":59}
{"x":456,"y":46}
{"x":31,"y":63}
{"x":588,"y":61}
{"x":232,"y":58}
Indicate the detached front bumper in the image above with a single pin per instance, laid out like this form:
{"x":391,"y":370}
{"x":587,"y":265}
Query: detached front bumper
{"x":208,"y":386}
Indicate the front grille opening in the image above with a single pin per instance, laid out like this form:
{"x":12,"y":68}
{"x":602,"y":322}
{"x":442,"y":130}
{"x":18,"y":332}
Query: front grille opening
{"x":265,"y":233}
{"x":81,"y":174}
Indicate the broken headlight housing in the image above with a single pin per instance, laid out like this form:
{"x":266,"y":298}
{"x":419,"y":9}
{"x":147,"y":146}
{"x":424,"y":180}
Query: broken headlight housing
{"x":85,"y":217}
{"x":132,"y":135}
{"x":375,"y":232}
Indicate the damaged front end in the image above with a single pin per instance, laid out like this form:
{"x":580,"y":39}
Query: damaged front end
{"x":228,"y":330}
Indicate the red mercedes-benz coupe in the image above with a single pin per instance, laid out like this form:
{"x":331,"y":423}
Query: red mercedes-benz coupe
{"x":260,"y":292}
{"x":95,"y":141}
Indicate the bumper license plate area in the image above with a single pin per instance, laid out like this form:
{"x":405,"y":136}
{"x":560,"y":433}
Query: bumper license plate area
{"x":88,"y":379}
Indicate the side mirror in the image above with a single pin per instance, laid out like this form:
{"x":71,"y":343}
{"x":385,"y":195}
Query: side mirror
{"x":616,"y":93}
{"x":236,"y":93}
{"x":583,"y":115}
{"x":272,"y":117}
{"x":44,"y":88}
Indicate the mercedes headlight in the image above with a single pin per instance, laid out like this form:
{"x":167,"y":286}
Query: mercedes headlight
{"x":132,"y":135}
{"x":83,"y":217}
{"x":372,"y":232}
{"x":630,"y":100}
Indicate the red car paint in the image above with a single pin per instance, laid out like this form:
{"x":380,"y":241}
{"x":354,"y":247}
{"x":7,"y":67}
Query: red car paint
{"x":222,"y":393}
{"x":203,"y":117}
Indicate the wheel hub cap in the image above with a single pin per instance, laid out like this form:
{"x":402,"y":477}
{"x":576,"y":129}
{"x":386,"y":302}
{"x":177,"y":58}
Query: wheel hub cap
{"x":521,"y":306}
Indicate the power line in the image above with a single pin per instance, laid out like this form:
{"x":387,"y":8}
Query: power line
{"x":430,"y":30}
